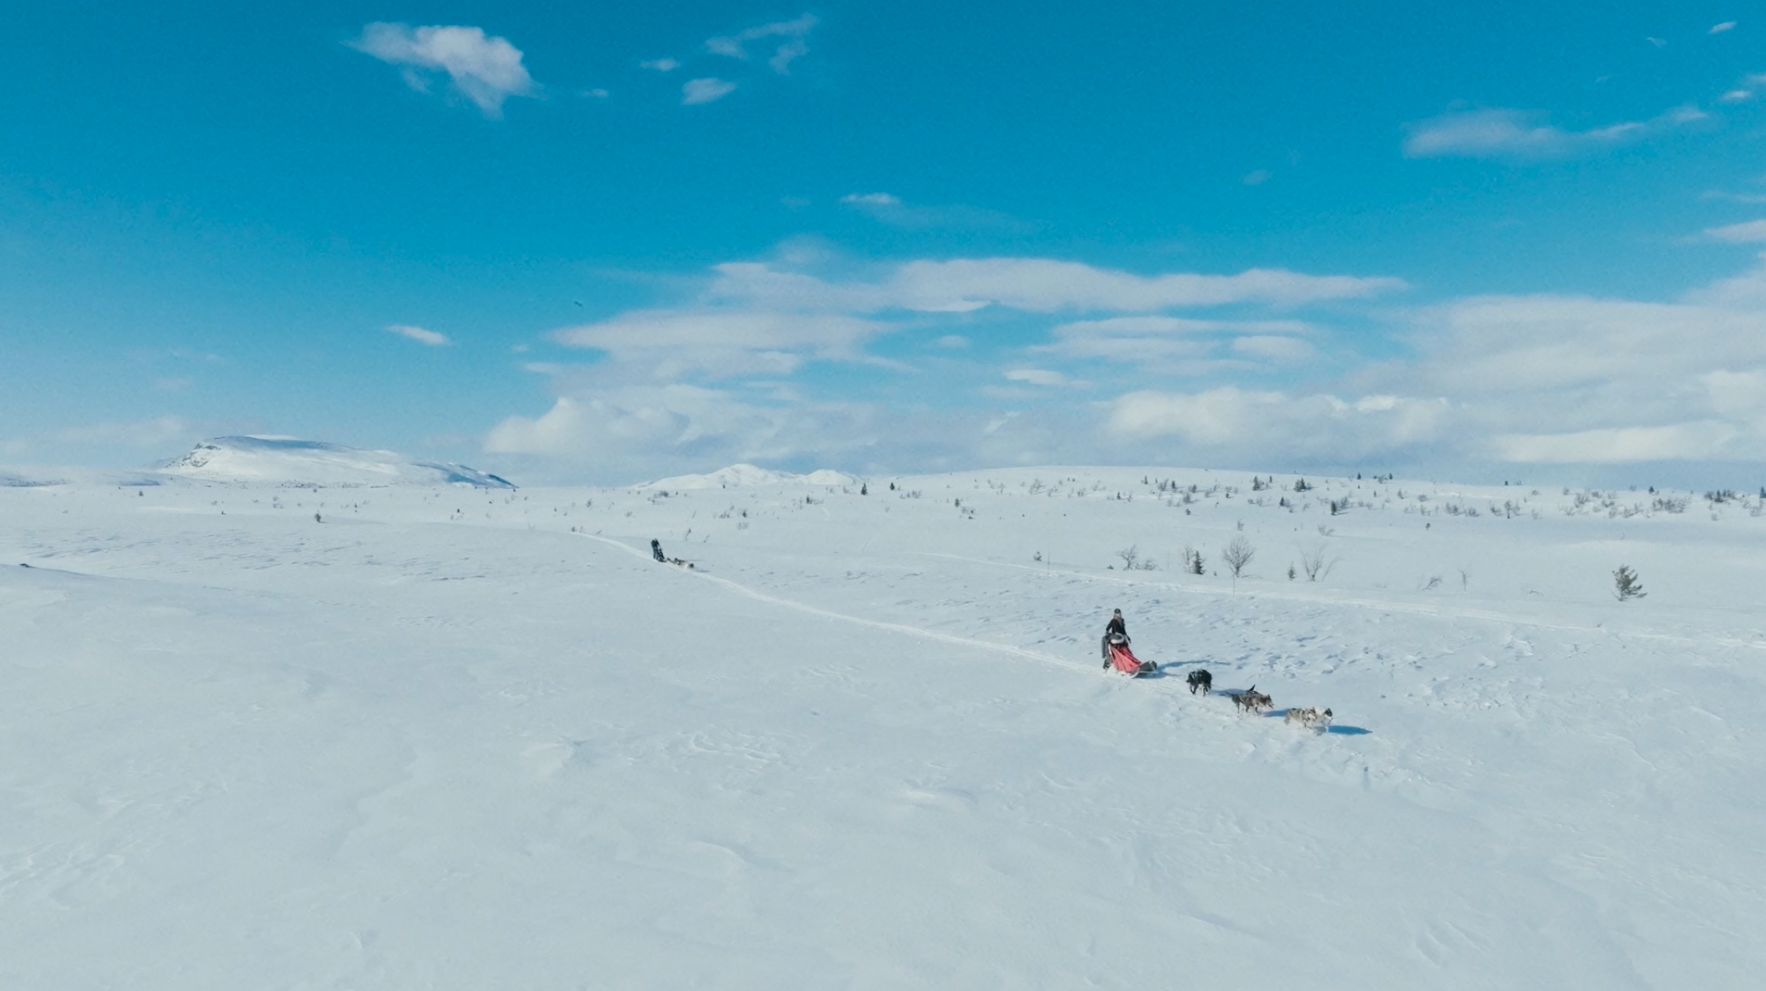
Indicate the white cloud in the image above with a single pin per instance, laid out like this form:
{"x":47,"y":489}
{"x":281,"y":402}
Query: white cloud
{"x":1720,"y":28}
{"x":1746,"y":291}
{"x":596,"y":94}
{"x":734,"y":46}
{"x":486,"y":70}
{"x":1743,"y":233}
{"x":871,"y":199}
{"x":1178,"y":344}
{"x":571,"y":428}
{"x":1274,"y":347}
{"x":1736,"y":96}
{"x":787,"y":53}
{"x":420,"y":335}
{"x":1598,"y":381}
{"x":707,"y":90}
{"x":1551,"y":346}
{"x":661,"y":65}
{"x":1679,"y":442}
{"x":1255,"y":178}
{"x":1527,"y":379}
{"x":633,"y":433}
{"x":1142,"y":326}
{"x":1515,"y":134}
{"x":1314,"y":426}
{"x":670,"y":344}
{"x":1734,"y":393}
{"x":1658,"y":42}
{"x":1038,"y":285}
{"x":1046,"y":286}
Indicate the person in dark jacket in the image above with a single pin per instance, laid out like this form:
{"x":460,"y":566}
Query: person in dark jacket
{"x":1116,"y":626}
{"x":656,"y":550}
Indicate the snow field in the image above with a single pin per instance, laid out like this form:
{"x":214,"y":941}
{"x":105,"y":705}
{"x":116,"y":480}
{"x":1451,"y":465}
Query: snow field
{"x":450,"y":738}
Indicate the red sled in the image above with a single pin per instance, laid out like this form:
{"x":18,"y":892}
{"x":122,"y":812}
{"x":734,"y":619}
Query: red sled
{"x":1123,"y":660}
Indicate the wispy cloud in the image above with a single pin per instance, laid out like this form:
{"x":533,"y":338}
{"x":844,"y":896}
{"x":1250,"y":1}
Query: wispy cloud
{"x":1278,"y":421}
{"x":1517,"y":134}
{"x":486,"y":70}
{"x":1179,"y":344}
{"x":1037,"y":285}
{"x":735,"y":46}
{"x":661,"y":65}
{"x":1749,"y":232}
{"x":1619,"y":445}
{"x":886,"y":208}
{"x":1273,"y":347}
{"x":1720,"y":28}
{"x":708,"y":90}
{"x":673,"y":344}
{"x":787,"y":53}
{"x":1037,"y":376}
{"x":419,"y":335}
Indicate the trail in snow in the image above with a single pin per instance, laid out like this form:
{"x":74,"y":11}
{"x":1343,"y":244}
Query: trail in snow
{"x":877,"y":624}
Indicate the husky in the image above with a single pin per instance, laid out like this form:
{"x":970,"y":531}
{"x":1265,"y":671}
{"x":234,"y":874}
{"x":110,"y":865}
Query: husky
{"x":1252,"y":700}
{"x":1200,"y":679}
{"x":1310,"y":718}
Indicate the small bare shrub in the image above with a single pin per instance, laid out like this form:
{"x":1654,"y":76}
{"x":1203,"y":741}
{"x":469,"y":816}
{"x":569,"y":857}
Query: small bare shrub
{"x":1315,"y":565}
{"x":1237,"y":555}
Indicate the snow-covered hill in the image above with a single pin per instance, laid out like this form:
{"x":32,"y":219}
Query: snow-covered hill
{"x":292,"y":462}
{"x":452,"y":738}
{"x":749,"y":476}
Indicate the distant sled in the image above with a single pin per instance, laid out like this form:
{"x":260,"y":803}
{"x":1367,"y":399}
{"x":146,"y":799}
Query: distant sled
{"x":1123,"y":660}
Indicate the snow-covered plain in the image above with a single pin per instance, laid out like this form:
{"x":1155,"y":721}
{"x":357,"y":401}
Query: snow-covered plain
{"x":447,"y":737}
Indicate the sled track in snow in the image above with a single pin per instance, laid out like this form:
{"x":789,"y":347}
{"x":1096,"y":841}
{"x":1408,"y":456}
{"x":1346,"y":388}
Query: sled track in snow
{"x":877,"y":624}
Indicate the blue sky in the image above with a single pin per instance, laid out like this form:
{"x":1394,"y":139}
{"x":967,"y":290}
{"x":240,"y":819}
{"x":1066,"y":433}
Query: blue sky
{"x":615,"y":242}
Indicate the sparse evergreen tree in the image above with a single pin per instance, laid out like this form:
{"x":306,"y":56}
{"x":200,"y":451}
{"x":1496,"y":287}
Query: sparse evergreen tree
{"x":1626,"y":585}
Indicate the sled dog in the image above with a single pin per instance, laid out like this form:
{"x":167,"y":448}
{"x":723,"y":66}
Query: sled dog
{"x":1200,"y":680}
{"x":1310,"y":718}
{"x":1252,"y":700}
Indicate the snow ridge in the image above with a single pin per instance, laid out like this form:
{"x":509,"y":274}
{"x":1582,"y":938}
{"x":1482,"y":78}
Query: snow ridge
{"x":292,"y":462}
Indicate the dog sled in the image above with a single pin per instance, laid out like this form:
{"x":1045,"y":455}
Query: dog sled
{"x":1123,"y":659}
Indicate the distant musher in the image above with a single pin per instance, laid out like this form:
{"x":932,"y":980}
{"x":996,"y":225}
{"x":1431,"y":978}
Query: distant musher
{"x":656,"y":550}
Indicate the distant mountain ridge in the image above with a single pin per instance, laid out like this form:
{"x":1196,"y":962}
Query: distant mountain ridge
{"x":291,"y":461}
{"x":746,"y":476}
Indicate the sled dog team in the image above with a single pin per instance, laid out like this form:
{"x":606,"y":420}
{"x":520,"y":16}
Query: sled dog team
{"x":1248,"y":701}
